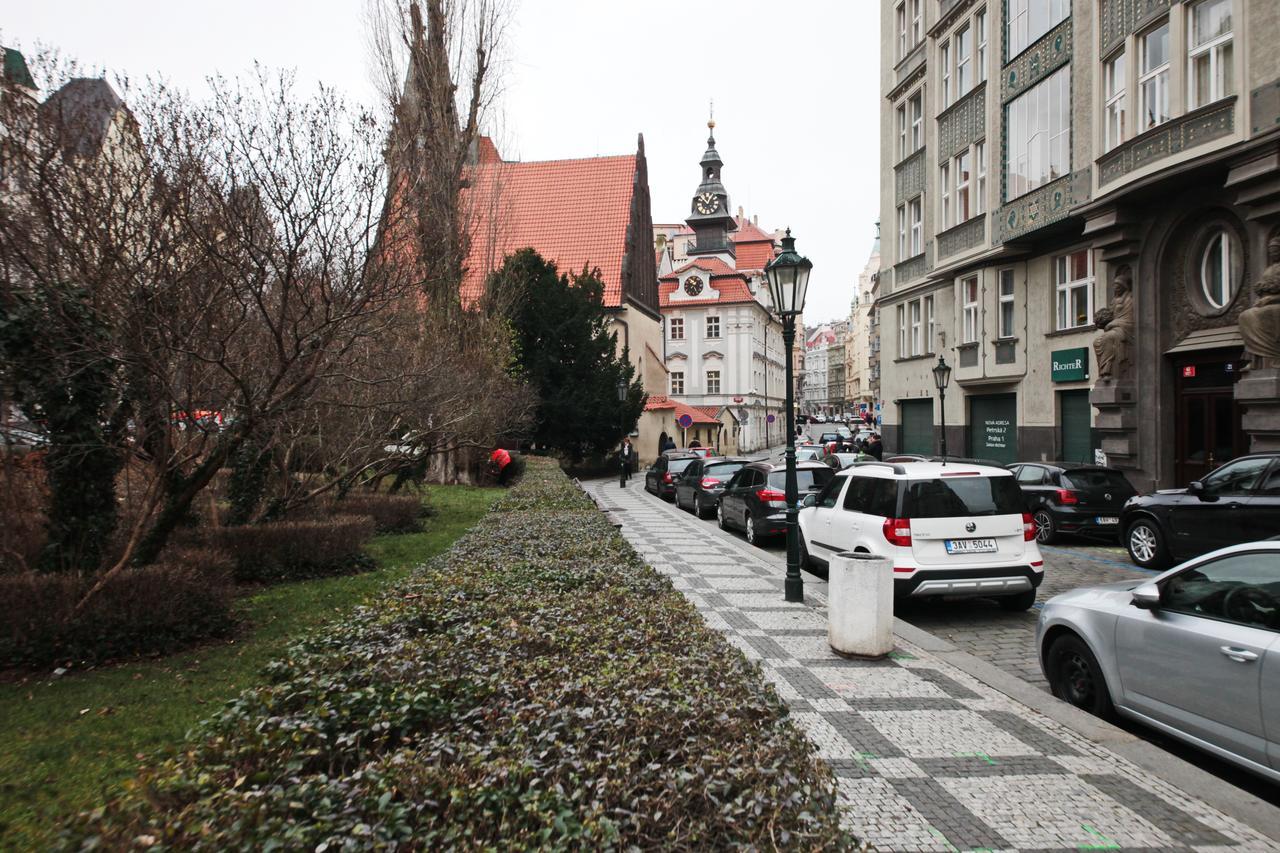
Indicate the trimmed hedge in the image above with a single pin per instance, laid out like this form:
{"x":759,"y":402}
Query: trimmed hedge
{"x":155,"y":609}
{"x":292,"y":550}
{"x":390,"y":513}
{"x":538,"y":686}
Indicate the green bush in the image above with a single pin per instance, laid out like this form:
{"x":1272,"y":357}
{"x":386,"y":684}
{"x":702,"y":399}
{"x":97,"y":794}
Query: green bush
{"x":291,"y":550}
{"x":538,"y":686}
{"x":155,"y":609}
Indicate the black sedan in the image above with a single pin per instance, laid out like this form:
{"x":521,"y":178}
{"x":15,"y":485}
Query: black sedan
{"x":755,"y":499}
{"x":1239,"y":502}
{"x":661,"y":476}
{"x":1067,"y":497}
{"x":702,"y":482}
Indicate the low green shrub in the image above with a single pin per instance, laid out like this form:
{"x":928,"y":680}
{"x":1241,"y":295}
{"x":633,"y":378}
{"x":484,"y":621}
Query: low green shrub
{"x":390,"y":513}
{"x":538,"y":686}
{"x":155,"y":609}
{"x":291,"y":550}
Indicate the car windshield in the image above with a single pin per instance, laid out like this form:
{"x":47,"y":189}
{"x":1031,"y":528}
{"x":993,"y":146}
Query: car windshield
{"x":844,"y":431}
{"x":675,"y":466}
{"x":723,"y":470}
{"x":1096,"y":479}
{"x":807,"y":479}
{"x":808,"y":452}
{"x":962,"y":496}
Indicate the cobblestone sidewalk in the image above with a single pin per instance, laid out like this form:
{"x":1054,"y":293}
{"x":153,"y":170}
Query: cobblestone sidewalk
{"x":927,"y":758}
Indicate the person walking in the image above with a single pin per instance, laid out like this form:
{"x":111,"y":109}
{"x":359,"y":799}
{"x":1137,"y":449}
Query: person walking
{"x":668,"y":443}
{"x":875,"y":447}
{"x":662,"y":442}
{"x":626,"y":456}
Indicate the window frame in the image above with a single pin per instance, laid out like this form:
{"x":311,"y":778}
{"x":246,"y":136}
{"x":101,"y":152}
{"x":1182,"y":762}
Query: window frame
{"x":902,"y":231}
{"x":1114,"y":99}
{"x":1159,"y":75}
{"x":944,"y":82}
{"x":969,"y":309}
{"x":1064,"y":289}
{"x":915,"y":311}
{"x":944,"y":182}
{"x":676,"y":383}
{"x":1003,"y":277}
{"x":980,"y":162}
{"x":902,"y":131}
{"x":900,"y":18}
{"x":1034,"y":159}
{"x":711,"y":328}
{"x":963,"y":206}
{"x":980,"y":49}
{"x":710,"y":377}
{"x":674,"y":325}
{"x":903,"y":350}
{"x":915,"y":216}
{"x":928,"y":324}
{"x":915,"y":111}
{"x":1232,"y":253}
{"x":962,"y":52}
{"x":1213,"y":49}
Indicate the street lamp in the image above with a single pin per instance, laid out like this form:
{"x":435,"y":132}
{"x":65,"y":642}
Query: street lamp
{"x":788,"y":275}
{"x":942,"y":376}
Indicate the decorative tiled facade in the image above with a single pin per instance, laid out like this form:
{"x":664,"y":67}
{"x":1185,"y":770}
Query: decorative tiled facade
{"x":1118,"y":18}
{"x":1195,"y":128}
{"x":1047,"y":55}
{"x":962,"y":124}
{"x":909,"y":270}
{"x":1044,"y":206}
{"x":966,"y":235}
{"x":908,"y":177}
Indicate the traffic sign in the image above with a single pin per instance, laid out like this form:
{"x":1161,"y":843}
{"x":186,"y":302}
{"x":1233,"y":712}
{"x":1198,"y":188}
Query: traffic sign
{"x":771,"y":419}
{"x":685,"y":421}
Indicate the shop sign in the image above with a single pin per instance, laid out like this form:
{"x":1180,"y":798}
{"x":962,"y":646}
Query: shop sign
{"x":1070,"y":365}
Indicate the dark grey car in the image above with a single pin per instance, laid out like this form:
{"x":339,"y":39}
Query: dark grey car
{"x":701,"y":484}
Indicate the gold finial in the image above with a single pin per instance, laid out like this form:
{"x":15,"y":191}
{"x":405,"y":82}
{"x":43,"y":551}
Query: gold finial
{"x":711,"y":117}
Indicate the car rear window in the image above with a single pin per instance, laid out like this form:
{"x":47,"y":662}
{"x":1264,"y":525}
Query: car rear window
{"x":806,"y":479}
{"x":1096,"y":479}
{"x":723,"y":470}
{"x":961,"y":496}
{"x":675,"y":466}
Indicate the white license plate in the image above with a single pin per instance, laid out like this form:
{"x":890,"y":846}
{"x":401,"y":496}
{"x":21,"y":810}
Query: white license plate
{"x":1106,"y":519}
{"x":971,"y":546}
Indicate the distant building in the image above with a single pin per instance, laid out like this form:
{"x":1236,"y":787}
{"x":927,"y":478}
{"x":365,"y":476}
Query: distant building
{"x":858,"y":347}
{"x":817,"y":355}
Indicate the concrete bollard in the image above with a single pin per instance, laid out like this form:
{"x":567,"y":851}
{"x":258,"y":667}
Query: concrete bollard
{"x":860,"y":605}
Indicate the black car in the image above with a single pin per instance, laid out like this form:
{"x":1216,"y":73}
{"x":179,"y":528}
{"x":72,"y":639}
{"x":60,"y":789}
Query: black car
{"x":701,"y":484}
{"x":661,"y":476}
{"x":1239,"y":502}
{"x":1067,"y":497}
{"x":755,"y":500}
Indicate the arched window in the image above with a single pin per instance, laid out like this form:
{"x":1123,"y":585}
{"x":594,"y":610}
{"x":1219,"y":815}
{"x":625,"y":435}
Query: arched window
{"x":1220,"y":264}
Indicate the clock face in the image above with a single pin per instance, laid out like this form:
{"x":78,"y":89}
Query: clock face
{"x":693,"y":285}
{"x":706,"y":203}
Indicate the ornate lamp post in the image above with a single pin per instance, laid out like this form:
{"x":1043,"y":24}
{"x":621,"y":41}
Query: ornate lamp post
{"x":942,"y":376}
{"x":788,"y":280}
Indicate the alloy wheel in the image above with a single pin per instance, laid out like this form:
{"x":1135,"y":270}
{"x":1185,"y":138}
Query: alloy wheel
{"x":1044,"y":527}
{"x":751,"y":529}
{"x":1142,"y":542}
{"x":697,"y":506}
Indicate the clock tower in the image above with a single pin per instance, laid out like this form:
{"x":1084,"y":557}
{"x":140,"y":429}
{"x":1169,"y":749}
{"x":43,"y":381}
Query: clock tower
{"x":709,"y":216}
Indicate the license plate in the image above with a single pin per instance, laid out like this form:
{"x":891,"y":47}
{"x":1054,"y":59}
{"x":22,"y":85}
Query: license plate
{"x":971,"y":546}
{"x":1106,"y":519}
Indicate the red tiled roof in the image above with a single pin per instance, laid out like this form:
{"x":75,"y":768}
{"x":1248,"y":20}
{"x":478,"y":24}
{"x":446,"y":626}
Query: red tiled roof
{"x":749,"y":232}
{"x":698,"y":413}
{"x":573,"y":212}
{"x":715,"y":266}
{"x":730,"y":283}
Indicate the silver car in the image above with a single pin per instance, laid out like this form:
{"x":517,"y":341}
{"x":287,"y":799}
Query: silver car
{"x":1194,"y":652}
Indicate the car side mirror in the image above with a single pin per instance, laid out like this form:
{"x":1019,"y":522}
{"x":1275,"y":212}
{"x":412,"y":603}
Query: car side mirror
{"x":1195,"y":487}
{"x":1146,"y":597}
{"x":809,"y":500}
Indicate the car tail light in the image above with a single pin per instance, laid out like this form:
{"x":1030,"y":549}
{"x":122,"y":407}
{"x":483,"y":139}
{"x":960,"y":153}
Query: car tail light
{"x":897,"y":531}
{"x":709,"y":482}
{"x":773,"y":497}
{"x":1028,"y":527}
{"x":1067,"y":497}
{"x":666,"y":478}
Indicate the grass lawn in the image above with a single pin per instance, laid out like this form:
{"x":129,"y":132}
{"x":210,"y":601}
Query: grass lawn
{"x":68,"y":742}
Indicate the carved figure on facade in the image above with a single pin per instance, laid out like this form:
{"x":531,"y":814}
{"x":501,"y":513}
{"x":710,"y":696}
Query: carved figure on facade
{"x":1116,"y":325}
{"x":1260,"y":324}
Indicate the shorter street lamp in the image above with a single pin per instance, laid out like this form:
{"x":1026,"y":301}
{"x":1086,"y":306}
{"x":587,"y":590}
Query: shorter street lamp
{"x":622,"y":409}
{"x":788,"y":276}
{"x":941,"y":377}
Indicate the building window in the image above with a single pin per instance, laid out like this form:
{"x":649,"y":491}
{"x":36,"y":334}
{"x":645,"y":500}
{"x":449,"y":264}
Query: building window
{"x":917,"y":22}
{"x":1039,"y":130}
{"x":944,"y":183}
{"x":969,"y":310}
{"x":915,"y":107}
{"x":944,"y":91}
{"x":915,"y":211}
{"x":1074,"y":275}
{"x":1209,"y":56}
{"x":914,"y":308}
{"x":677,"y":382}
{"x":904,"y":351}
{"x":1006,"y":303}
{"x":902,"y":232}
{"x":1114,"y":92}
{"x":980,"y":195}
{"x":900,"y":16}
{"x":713,"y":382}
{"x":964,"y":60}
{"x":928,"y":324}
{"x":903,"y":151}
{"x":677,"y":328}
{"x":713,"y":327}
{"x":963,"y":162}
{"x":1220,"y":269}
{"x":980,"y":24}
{"x":1030,"y":19}
{"x":1153,"y":79}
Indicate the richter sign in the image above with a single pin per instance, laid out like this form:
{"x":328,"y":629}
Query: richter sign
{"x":1070,"y":365}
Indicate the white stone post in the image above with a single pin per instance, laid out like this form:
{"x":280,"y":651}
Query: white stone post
{"x":860,"y":605}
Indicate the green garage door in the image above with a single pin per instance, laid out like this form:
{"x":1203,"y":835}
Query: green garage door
{"x":993,"y":427}
{"x":917,"y":426}
{"x":1075,"y":433}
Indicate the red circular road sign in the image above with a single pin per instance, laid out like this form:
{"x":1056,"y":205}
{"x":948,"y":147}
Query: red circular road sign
{"x":685,"y":421}
{"x":737,"y":399}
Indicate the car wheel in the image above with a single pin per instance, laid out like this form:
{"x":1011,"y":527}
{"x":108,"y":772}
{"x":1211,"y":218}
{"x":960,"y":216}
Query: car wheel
{"x":1021,"y":601}
{"x":1146,"y":545}
{"x":697,"y":507}
{"x":1075,"y":677}
{"x":720,"y":517}
{"x":1046,"y":532}
{"x":750,"y":524}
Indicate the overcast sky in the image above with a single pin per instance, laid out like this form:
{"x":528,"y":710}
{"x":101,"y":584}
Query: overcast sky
{"x":794,"y":84}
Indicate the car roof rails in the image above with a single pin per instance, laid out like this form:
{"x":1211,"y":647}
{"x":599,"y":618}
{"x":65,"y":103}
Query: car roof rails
{"x":897,"y":468}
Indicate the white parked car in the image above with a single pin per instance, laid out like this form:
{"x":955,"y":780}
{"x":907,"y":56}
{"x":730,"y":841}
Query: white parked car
{"x":950,"y":529}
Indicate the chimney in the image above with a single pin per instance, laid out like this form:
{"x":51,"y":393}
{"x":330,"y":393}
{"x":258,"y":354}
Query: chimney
{"x":755,"y":220}
{"x":739,"y":213}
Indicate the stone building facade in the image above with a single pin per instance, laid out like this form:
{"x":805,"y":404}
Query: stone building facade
{"x":1039,"y":150}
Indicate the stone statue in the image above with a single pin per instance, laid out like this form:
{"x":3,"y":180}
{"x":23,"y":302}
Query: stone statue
{"x":1116,"y":325}
{"x":1260,"y":324}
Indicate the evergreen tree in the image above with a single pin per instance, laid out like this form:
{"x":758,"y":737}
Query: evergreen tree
{"x":565,"y":352}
